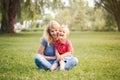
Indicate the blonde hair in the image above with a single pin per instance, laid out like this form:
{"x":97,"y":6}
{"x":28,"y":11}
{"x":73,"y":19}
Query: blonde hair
{"x":51,"y":25}
{"x":65,"y":27}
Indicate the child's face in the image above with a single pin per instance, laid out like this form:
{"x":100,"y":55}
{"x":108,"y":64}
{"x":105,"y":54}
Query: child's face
{"x":54,"y":33}
{"x":62,"y":33}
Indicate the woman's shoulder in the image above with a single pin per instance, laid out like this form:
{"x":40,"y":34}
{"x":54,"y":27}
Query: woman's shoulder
{"x":43,"y":40}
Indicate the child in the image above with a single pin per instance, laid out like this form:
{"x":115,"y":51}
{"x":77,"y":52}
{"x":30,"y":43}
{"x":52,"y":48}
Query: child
{"x":63,"y":48}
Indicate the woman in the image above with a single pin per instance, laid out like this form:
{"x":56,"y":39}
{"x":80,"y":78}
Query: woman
{"x":45,"y":56}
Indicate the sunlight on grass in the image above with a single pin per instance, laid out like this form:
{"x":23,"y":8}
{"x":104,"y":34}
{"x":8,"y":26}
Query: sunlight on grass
{"x":98,"y":54}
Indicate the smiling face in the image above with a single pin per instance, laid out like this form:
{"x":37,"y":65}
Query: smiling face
{"x":63,"y":32}
{"x":54,"y":33}
{"x":52,"y":30}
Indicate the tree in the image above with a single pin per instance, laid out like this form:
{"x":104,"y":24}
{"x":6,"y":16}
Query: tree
{"x":11,"y":8}
{"x":113,"y":7}
{"x":63,"y":16}
{"x":78,"y":14}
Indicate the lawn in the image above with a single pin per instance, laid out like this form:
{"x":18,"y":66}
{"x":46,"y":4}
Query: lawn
{"x":98,"y":54}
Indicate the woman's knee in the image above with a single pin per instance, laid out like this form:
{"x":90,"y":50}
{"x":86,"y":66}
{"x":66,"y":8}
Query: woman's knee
{"x":37,"y":59}
{"x":37,"y":56}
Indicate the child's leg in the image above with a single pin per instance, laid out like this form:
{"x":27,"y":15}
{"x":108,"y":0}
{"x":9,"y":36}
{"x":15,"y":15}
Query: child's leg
{"x":70,"y":62}
{"x":54,"y":66}
{"x":62,"y":65}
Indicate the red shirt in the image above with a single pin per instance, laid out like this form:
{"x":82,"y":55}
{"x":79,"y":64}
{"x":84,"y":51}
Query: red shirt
{"x":63,"y":46}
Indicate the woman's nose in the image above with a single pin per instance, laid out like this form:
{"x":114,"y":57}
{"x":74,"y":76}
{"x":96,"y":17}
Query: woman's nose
{"x":55,"y":32}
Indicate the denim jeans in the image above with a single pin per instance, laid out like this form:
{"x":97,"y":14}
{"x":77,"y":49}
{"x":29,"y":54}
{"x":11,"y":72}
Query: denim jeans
{"x":70,"y":62}
{"x":41,"y":62}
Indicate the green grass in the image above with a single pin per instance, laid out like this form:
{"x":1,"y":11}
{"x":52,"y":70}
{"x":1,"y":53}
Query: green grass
{"x":98,"y":54}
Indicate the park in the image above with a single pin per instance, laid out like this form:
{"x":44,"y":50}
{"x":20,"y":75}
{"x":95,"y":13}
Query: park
{"x":95,"y":36}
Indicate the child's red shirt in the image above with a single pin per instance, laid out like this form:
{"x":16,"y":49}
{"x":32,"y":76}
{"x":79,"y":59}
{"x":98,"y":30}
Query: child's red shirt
{"x":63,"y":46}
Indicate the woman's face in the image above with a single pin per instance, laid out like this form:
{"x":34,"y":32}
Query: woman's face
{"x":54,"y":33}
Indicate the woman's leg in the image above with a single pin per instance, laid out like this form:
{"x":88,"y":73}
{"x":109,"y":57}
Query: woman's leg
{"x":70,"y":62}
{"x":41,"y":62}
{"x":54,"y":66}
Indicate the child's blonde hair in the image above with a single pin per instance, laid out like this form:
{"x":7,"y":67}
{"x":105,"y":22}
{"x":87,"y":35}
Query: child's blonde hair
{"x":65,"y":27}
{"x":51,"y":25}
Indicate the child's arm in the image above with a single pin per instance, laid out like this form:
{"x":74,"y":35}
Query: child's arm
{"x":69,"y":50}
{"x":59,"y":58}
{"x":66,"y":54}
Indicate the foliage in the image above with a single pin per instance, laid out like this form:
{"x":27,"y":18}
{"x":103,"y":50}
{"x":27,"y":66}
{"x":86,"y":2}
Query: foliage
{"x":34,"y":9}
{"x":63,"y":16}
{"x":79,"y":16}
{"x":98,"y":54}
{"x":46,"y":19}
{"x":113,"y":7}
{"x":110,"y":24}
{"x":73,"y":15}
{"x":98,"y":20}
{"x":103,"y":21}
{"x":25,"y":9}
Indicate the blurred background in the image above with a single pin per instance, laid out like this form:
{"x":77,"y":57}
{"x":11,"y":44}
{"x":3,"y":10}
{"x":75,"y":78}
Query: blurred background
{"x":95,"y":36}
{"x":79,"y":15}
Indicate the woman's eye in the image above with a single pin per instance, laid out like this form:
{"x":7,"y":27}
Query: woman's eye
{"x":51,"y":31}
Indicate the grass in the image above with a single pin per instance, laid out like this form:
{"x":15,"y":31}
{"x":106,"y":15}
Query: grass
{"x":98,"y":54}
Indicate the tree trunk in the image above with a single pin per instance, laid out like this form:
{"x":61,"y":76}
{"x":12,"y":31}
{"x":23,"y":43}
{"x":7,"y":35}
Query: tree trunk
{"x":4,"y":22}
{"x":9,"y":11}
{"x":117,"y":19}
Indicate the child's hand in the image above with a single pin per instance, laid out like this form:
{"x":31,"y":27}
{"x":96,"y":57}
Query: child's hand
{"x":59,"y":58}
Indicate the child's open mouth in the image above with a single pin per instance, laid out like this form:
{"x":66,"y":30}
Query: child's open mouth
{"x":61,"y":35}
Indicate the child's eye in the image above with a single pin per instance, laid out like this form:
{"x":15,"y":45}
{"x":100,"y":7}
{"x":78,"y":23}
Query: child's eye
{"x":51,"y":31}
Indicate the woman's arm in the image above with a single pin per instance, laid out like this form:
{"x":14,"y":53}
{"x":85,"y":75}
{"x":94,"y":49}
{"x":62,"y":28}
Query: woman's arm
{"x":41,"y":49}
{"x":50,"y":57}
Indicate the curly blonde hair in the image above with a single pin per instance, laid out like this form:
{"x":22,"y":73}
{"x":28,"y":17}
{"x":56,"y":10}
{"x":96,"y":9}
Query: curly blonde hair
{"x":51,"y":25}
{"x":65,"y":27}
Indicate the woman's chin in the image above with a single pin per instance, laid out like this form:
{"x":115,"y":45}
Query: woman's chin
{"x":55,"y":37}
